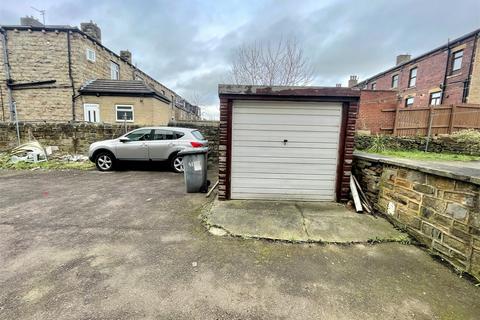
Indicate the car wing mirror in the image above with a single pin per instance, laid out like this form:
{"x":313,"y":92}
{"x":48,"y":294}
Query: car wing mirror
{"x":124,"y":139}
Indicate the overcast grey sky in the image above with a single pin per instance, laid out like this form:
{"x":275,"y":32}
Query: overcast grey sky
{"x":187,"y":45}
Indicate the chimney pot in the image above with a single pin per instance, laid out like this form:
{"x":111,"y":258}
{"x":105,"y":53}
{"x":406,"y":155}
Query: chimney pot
{"x":126,"y":55}
{"x":353,"y":81}
{"x":92,"y":30}
{"x":402,"y":58}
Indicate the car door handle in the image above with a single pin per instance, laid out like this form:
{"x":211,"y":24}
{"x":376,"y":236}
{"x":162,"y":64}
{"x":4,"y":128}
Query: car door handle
{"x":285,"y":142}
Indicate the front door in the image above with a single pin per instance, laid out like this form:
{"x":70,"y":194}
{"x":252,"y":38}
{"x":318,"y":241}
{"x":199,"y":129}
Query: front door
{"x":136,"y":148}
{"x":161,"y":145}
{"x":91,"y":112}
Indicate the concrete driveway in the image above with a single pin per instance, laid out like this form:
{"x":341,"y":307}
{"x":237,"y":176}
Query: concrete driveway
{"x":129,"y":245}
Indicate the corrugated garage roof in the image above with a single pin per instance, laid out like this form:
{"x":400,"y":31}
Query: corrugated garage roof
{"x":120,"y":88}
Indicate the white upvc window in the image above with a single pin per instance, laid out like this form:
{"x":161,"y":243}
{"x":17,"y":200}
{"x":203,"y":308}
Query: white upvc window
{"x":91,"y":112}
{"x":91,"y":56}
{"x":124,"y":113}
{"x":114,"y":71}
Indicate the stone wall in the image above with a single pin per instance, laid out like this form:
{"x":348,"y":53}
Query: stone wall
{"x":70,"y":138}
{"x":443,"y":213}
{"x":444,"y":144}
{"x":75,"y":138}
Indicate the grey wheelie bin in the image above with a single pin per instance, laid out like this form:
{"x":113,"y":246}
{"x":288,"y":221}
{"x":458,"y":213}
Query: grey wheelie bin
{"x":195,"y":169}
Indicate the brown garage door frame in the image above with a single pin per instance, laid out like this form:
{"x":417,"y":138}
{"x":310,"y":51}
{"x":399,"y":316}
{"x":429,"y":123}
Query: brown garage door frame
{"x":348,"y":97}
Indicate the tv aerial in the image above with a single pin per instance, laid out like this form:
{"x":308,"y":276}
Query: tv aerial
{"x":42,"y":12}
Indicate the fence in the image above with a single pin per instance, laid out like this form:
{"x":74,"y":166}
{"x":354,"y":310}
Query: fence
{"x":431,"y":120}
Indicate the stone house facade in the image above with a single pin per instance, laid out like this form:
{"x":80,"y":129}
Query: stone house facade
{"x":44,"y":67}
{"x":449,"y":74}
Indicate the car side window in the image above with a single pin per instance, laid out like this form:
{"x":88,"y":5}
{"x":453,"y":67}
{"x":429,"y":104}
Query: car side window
{"x":166,"y":135}
{"x":140,"y":135}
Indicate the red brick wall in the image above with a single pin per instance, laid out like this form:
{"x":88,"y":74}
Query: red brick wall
{"x":224,"y":149}
{"x":370,"y":115}
{"x":430,"y":75}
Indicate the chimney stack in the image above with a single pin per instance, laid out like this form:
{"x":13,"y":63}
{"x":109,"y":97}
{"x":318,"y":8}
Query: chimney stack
{"x":92,"y":30}
{"x":126,"y":55}
{"x":402,"y":58}
{"x":338,"y":85}
{"x":353,"y":81}
{"x":30,"y":21}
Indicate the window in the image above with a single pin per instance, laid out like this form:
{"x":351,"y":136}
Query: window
{"x":412,"y":80}
{"x":409,"y":102}
{"x":91,"y":112}
{"x":140,"y":135}
{"x":91,"y":55}
{"x":395,"y":81}
{"x":114,"y":71}
{"x":124,"y":113}
{"x":435,"y":98}
{"x":167,"y":135}
{"x":457,"y":60}
{"x":198,"y":135}
{"x":374,"y":86}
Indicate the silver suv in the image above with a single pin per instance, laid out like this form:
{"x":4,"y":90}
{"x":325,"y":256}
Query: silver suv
{"x":146,"y":144}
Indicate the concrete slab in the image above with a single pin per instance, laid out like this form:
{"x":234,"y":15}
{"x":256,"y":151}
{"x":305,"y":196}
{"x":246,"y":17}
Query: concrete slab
{"x":299,"y":221}
{"x":259,"y":219}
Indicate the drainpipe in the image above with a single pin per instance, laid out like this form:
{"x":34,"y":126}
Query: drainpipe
{"x":446,"y":73}
{"x":466,"y":86}
{"x":12,"y":106}
{"x":70,"y":75}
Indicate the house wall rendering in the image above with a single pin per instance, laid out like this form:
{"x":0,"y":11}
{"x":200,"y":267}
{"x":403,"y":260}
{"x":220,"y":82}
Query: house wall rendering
{"x":49,"y":64}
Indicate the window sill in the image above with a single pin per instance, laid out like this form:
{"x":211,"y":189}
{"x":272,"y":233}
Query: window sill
{"x":122,"y":121}
{"x":454,"y":75}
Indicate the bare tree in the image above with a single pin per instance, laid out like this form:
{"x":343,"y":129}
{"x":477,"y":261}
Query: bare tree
{"x":271,"y":63}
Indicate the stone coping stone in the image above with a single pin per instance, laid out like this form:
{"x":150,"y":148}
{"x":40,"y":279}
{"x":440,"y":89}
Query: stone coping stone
{"x":468,"y":171}
{"x":325,"y":222}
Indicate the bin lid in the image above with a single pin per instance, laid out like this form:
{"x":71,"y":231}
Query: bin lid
{"x":193,"y":151}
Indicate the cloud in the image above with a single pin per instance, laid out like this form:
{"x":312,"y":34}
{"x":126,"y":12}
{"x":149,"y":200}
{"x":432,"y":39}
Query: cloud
{"x":187,"y":45}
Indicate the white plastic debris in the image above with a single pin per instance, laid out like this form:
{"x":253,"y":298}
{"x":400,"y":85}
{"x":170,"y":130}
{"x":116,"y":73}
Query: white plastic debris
{"x":28,"y":152}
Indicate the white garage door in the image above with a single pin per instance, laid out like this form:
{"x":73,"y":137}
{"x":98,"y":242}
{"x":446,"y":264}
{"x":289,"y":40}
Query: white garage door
{"x":285,"y":150}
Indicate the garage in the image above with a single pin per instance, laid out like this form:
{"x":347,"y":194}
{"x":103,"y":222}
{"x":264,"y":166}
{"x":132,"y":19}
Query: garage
{"x":286,"y":143}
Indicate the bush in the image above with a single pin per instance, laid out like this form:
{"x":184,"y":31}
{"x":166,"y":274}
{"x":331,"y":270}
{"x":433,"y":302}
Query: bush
{"x":468,"y":136}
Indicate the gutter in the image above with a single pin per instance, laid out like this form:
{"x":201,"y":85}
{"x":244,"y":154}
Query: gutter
{"x":70,"y":75}
{"x":11,"y":104}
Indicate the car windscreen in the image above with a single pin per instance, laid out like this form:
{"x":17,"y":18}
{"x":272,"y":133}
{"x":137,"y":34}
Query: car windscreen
{"x":198,"y":135}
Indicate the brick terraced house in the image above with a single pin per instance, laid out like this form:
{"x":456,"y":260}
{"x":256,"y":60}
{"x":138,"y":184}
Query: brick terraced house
{"x":446,"y":76}
{"x":62,"y":73}
{"x":449,"y":74}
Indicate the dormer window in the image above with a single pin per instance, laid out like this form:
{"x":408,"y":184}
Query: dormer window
{"x":114,"y":71}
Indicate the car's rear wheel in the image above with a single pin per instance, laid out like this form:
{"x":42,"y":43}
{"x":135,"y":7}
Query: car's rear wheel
{"x":177,"y":164}
{"x":105,"y":161}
